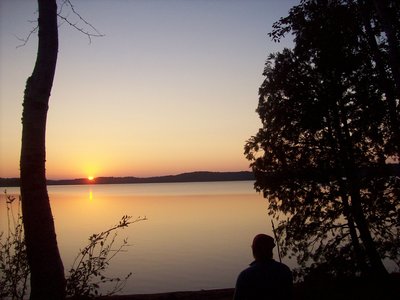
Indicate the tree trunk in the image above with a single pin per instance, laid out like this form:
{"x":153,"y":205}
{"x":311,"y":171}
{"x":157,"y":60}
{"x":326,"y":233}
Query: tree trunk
{"x":346,"y":159}
{"x":358,"y":251}
{"x":47,"y":271}
{"x":377,"y":267}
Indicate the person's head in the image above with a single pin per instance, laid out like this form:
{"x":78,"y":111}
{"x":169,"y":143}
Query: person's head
{"x":262,"y":246}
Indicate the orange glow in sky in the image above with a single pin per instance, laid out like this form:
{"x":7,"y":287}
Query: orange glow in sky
{"x":172,"y":86}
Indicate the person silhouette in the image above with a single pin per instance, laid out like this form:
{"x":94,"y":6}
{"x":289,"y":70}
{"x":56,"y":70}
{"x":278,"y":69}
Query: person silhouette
{"x":265,"y":278}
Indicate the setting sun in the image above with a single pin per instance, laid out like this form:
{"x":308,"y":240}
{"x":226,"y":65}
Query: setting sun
{"x":90,"y":178}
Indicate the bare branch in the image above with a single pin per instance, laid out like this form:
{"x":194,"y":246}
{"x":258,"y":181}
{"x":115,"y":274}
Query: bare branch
{"x":64,"y":17}
{"x":26,"y":40}
{"x":92,"y":32}
{"x":83,"y":20}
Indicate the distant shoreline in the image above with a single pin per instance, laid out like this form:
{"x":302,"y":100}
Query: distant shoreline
{"x":200,"y":176}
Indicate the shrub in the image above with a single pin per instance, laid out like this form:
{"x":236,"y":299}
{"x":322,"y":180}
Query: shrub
{"x":88,"y":270}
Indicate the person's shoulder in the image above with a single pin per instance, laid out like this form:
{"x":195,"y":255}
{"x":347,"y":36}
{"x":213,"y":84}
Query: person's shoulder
{"x":247,"y":270}
{"x":244,"y":276}
{"x":281,"y":266}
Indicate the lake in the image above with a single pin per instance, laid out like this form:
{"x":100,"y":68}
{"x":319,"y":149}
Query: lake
{"x":197,"y":235}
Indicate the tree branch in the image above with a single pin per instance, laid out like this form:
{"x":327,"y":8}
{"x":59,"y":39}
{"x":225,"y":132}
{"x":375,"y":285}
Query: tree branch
{"x":26,"y":40}
{"x":90,"y":33}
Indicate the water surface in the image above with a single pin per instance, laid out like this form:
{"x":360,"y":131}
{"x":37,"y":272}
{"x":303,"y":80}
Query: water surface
{"x":197,"y":235}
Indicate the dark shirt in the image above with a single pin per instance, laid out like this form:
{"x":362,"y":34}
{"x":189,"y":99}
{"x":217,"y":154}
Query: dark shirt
{"x":265,"y":279}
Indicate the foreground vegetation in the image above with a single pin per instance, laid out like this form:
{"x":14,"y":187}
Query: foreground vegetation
{"x":85,"y":277}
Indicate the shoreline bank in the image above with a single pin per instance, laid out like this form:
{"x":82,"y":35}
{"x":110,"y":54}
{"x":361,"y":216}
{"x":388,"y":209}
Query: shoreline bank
{"x":315,"y":289}
{"x":218,"y":294}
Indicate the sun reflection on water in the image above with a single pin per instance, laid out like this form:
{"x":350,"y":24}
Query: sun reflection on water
{"x":90,"y":195}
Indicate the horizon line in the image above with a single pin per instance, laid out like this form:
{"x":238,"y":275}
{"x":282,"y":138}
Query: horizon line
{"x":139,"y":177}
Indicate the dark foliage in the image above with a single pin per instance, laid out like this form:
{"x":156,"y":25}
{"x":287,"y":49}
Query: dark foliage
{"x":327,"y":155}
{"x":88,"y":271}
{"x":14,"y":269}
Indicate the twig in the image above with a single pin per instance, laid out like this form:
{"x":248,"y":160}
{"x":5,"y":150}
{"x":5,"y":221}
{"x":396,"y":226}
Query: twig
{"x":277,"y":242}
{"x":92,"y":32}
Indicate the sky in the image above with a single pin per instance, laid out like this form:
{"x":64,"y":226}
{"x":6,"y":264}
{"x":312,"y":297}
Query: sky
{"x":171,"y":87}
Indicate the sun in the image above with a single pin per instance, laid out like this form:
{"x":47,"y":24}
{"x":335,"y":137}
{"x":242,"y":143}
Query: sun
{"x":90,"y":178}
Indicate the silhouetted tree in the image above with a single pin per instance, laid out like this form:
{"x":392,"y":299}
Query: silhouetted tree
{"x":47,"y":272}
{"x":324,"y":158}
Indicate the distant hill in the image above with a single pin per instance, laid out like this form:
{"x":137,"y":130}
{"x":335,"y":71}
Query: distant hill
{"x":202,"y":176}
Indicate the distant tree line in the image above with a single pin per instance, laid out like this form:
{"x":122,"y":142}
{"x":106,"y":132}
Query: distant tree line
{"x":201,"y":176}
{"x":327,"y":155}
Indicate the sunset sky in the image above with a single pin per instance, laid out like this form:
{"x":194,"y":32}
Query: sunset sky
{"x":170,"y":88}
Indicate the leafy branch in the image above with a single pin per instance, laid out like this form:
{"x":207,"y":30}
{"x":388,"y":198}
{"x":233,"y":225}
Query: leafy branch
{"x":88,"y":269}
{"x":14,"y":268}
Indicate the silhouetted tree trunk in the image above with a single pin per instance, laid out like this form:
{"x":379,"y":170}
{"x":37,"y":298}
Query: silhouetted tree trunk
{"x":47,"y":272}
{"x":348,"y":160}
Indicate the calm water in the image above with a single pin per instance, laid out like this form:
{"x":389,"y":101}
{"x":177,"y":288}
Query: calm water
{"x":197,"y":235}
